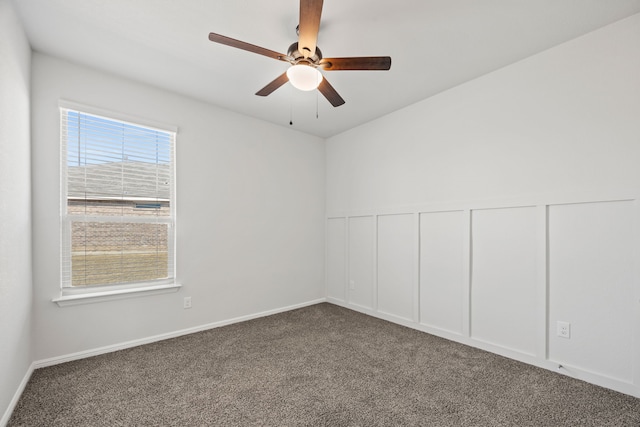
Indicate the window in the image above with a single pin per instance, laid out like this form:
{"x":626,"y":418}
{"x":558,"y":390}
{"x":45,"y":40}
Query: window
{"x":118,"y":203}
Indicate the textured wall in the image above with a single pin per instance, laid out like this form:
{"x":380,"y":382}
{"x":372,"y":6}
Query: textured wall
{"x":249,"y":214}
{"x":517,"y":195}
{"x":15,"y":206}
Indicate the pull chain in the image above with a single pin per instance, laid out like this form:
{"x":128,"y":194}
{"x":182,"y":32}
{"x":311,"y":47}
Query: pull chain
{"x":317,"y":90}
{"x":291,"y":106}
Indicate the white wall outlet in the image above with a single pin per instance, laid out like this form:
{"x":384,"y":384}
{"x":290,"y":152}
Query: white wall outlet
{"x":352,"y":284}
{"x":186,"y":302}
{"x":563,"y":329}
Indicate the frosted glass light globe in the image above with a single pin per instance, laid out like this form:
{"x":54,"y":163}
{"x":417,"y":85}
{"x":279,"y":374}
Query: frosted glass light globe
{"x":304,"y":77}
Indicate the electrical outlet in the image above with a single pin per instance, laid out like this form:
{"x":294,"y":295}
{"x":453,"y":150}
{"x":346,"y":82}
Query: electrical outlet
{"x":352,"y":284}
{"x":563,"y":329}
{"x":186,"y":302}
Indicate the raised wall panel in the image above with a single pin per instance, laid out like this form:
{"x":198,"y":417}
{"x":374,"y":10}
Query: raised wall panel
{"x":361,"y":261}
{"x":591,"y":286}
{"x":441,"y":270}
{"x":336,"y":258}
{"x":396,"y":260}
{"x":503,"y":293}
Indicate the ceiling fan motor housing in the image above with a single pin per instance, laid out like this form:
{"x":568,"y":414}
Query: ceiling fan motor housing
{"x":298,"y":57}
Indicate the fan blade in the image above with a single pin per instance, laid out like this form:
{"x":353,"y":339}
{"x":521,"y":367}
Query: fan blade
{"x":247,"y":46}
{"x":268,"y":89}
{"x":358,"y":63}
{"x":310,"y":12}
{"x":330,"y":93}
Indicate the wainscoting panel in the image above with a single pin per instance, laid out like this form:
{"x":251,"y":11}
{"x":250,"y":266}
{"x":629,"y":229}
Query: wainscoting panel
{"x":396,"y":265}
{"x":442,"y":281}
{"x":361,"y":261}
{"x":336,"y":259}
{"x":503,"y":292}
{"x":591,"y":286}
{"x":500,"y":274}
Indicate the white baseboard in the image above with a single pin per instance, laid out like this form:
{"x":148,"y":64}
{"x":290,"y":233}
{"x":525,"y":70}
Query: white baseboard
{"x":14,"y":401}
{"x":121,"y":346}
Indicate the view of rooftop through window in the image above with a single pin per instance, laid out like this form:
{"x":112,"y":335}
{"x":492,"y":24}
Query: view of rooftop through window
{"x":118,"y":201}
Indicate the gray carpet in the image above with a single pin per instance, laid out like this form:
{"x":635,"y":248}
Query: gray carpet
{"x":318,"y":366}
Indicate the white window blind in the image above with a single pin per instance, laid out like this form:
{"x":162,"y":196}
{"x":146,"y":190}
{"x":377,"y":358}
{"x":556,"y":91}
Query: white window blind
{"x":118,"y":202}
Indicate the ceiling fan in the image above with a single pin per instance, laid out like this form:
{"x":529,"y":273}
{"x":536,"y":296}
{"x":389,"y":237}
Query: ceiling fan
{"x":306,"y":59}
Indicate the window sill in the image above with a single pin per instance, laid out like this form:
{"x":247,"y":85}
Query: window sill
{"x":111,"y":295}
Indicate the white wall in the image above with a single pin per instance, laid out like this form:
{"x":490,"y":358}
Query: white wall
{"x":250,"y":222}
{"x":524,"y":190}
{"x":15,"y":208}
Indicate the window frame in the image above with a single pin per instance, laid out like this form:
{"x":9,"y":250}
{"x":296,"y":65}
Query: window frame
{"x":72,"y":295}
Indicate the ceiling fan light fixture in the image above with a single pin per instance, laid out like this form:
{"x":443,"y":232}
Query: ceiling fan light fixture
{"x":304,"y":77}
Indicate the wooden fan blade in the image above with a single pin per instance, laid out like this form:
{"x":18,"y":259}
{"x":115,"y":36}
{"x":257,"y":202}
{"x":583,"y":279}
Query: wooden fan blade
{"x":330,"y":93}
{"x":246,"y":46}
{"x":268,"y":89}
{"x":357,"y":63}
{"x":310,"y":13}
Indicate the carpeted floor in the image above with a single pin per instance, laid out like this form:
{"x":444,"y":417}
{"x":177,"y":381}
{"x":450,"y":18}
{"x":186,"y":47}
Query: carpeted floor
{"x":318,"y":366}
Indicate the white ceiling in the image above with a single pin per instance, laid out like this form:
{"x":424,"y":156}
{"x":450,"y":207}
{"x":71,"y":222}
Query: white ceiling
{"x":434,"y":45}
